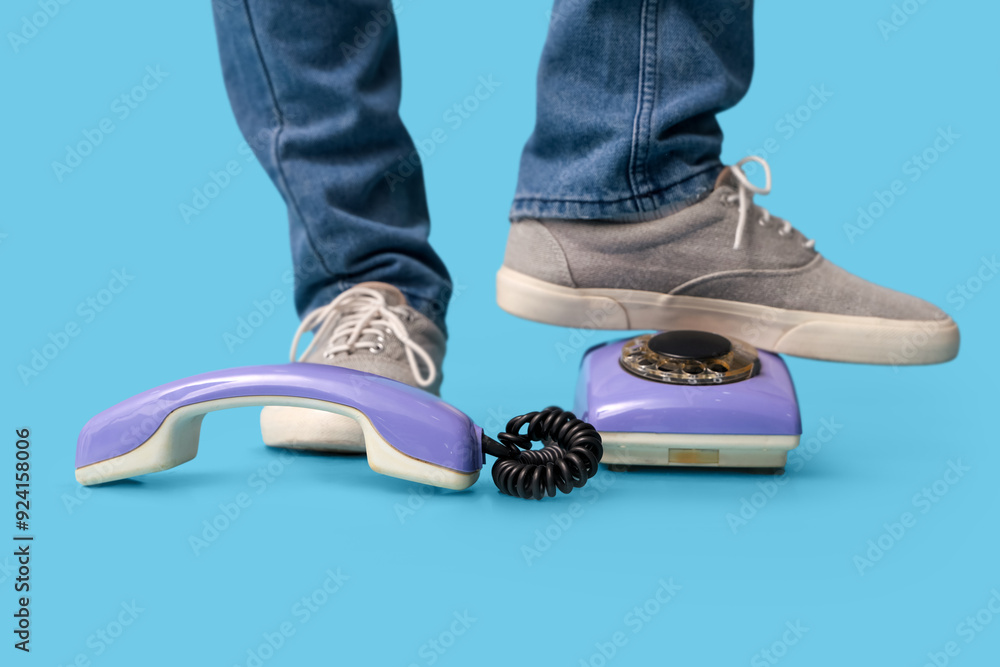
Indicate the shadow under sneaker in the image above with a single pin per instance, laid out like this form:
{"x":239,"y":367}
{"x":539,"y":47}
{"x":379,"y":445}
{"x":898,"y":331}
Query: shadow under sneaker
{"x":725,"y":265}
{"x":370,"y":328}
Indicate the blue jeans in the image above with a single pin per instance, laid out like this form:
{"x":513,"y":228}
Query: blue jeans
{"x":625,"y":128}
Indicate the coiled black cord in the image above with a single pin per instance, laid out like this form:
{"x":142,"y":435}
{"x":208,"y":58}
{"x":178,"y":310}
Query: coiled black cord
{"x":569,"y":456}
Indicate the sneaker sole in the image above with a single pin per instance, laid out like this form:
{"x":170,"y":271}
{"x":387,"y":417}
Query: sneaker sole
{"x":312,"y":430}
{"x":867,"y":340}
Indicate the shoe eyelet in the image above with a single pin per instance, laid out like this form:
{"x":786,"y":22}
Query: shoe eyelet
{"x":375,"y":349}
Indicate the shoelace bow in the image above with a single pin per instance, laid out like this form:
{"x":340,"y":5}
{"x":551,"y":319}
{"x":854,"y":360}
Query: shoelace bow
{"x":745,"y":192}
{"x":359,"y":312}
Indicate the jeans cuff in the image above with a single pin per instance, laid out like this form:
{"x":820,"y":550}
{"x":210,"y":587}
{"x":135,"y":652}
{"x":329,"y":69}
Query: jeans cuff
{"x":650,"y":206}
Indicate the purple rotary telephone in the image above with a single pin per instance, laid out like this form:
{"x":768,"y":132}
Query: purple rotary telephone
{"x":677,"y":398}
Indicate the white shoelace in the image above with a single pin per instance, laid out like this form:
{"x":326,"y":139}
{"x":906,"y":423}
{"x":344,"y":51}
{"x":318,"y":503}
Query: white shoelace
{"x":358,"y":312}
{"x":746,"y":190}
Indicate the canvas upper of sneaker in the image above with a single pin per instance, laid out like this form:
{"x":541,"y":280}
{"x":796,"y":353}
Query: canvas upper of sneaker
{"x":722,"y":247}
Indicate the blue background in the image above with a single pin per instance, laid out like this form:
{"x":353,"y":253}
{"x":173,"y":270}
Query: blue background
{"x":409,"y":574}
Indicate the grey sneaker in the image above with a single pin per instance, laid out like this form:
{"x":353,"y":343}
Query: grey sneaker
{"x":724,"y":265}
{"x":370,"y":328}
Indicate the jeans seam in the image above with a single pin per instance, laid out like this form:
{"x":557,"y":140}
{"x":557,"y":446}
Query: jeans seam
{"x":650,"y":91}
{"x":637,"y":174}
{"x":276,"y":141}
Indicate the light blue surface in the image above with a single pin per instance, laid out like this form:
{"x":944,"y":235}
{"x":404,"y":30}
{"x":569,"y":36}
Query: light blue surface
{"x":410,"y":574}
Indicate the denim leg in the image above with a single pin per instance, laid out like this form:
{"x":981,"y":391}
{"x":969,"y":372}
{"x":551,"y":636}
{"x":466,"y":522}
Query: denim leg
{"x":627,"y":98}
{"x":315,"y":88}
